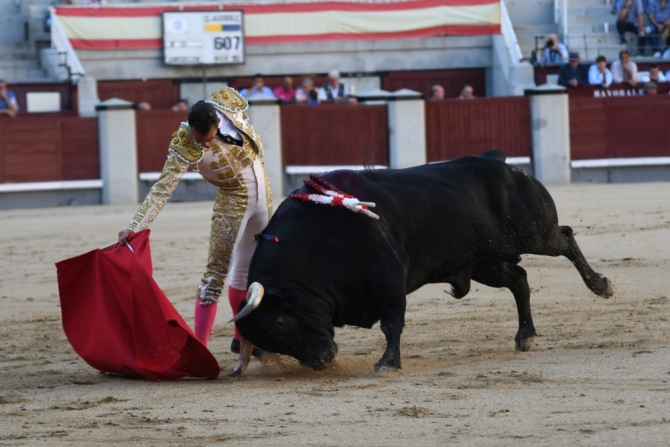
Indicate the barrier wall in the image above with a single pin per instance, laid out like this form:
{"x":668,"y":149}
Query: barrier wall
{"x":48,"y":148}
{"x":334,"y":135}
{"x":154,"y":131}
{"x":620,"y":127}
{"x":452,"y":81}
{"x":458,"y":128}
{"x":160,"y":93}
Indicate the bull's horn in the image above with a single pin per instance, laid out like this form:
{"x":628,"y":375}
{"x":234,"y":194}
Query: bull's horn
{"x":246,"y":348}
{"x":254,"y":298}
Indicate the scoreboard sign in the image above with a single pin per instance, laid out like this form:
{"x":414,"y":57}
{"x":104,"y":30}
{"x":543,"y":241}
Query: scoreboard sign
{"x":203,"y":37}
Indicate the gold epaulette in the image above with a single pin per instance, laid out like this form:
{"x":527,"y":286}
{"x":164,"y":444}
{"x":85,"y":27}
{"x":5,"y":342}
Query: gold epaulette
{"x":185,"y":146}
{"x":229,"y":100}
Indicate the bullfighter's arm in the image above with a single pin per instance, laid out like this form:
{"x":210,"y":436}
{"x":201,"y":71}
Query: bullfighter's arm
{"x":173,"y":170}
{"x":183,"y":152}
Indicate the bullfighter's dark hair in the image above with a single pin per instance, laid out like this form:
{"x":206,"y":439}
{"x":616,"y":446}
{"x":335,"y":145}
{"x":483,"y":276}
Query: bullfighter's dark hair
{"x":202,"y":117}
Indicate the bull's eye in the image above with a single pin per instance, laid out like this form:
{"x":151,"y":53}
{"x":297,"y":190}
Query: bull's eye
{"x":280,"y":322}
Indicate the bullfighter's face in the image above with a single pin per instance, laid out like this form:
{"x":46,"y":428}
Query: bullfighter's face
{"x":302,"y":331}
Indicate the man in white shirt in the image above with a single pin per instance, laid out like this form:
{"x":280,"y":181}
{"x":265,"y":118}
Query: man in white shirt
{"x":624,"y":71}
{"x":599,"y":74}
{"x":654,"y":75}
{"x":334,"y":91}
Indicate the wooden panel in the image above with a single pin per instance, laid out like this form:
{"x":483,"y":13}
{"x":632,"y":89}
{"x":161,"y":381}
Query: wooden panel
{"x":451,"y":80}
{"x":334,"y":135}
{"x":459,"y":128}
{"x":160,"y":93}
{"x":619,"y":127}
{"x":614,"y":91}
{"x":48,"y":148}
{"x":637,"y":127}
{"x":154,"y":131}
{"x":31,"y":150}
{"x":79,"y":146}
{"x":588,"y":125}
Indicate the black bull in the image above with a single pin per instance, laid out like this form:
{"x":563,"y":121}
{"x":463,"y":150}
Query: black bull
{"x":467,"y":219}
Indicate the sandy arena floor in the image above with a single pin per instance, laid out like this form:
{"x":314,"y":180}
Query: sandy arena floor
{"x":598,"y":374}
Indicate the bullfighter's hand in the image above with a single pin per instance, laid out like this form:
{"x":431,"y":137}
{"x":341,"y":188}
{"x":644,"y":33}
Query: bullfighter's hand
{"x":123,"y":236}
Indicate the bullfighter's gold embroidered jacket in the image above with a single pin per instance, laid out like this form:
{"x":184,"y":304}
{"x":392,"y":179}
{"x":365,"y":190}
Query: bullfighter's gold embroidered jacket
{"x":221,"y":165}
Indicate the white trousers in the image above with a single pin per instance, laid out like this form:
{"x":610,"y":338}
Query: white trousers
{"x":254,"y":221}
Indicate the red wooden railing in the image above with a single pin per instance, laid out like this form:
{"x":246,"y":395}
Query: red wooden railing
{"x":159,"y":93}
{"x":620,"y":127}
{"x":458,"y":128}
{"x":48,"y":148}
{"x":452,"y":81}
{"x":154,"y":130}
{"x":334,"y":135}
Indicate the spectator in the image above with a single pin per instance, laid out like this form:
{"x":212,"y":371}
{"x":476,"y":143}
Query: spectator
{"x":334,"y":91}
{"x":313,"y":97}
{"x":181,"y":106}
{"x":302,"y":94}
{"x":624,"y":70}
{"x":436,"y":93}
{"x":654,"y":75}
{"x":8,"y":104}
{"x":144,"y":106}
{"x":285,"y":93}
{"x":599,"y":74}
{"x":258,"y":88}
{"x":629,"y":18}
{"x":466,"y":93}
{"x":659,"y":16}
{"x":554,"y":51}
{"x":650,"y":89}
{"x":573,"y":74}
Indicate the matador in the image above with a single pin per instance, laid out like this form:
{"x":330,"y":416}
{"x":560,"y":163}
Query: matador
{"x":221,"y":145}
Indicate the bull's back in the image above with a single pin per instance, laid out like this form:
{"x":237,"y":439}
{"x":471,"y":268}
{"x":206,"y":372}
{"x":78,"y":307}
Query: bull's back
{"x":448,"y":215}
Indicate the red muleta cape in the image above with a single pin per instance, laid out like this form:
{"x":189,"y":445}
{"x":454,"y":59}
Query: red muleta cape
{"x":119,"y":321}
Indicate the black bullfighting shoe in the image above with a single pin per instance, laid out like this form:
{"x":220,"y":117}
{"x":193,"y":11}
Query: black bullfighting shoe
{"x":235,"y":349}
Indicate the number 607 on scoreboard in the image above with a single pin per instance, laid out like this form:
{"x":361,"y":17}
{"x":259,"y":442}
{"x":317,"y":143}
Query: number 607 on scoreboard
{"x":203,"y":37}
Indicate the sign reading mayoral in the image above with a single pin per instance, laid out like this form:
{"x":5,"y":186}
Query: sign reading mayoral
{"x":203,"y":37}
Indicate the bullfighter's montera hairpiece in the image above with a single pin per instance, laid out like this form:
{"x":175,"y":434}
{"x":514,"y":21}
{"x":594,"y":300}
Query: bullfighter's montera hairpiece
{"x":330,"y":195}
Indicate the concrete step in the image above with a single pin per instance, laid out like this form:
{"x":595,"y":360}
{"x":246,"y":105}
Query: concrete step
{"x":589,"y":11}
{"x":529,"y":12}
{"x":19,"y":63}
{"x":22,"y":74}
{"x":9,"y":7}
{"x":594,"y":28}
{"x":11,"y":48}
{"x":12,"y":28}
{"x":535,"y":30}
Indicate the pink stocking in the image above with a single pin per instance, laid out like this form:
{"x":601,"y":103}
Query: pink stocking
{"x":235,"y":297}
{"x":204,"y":320}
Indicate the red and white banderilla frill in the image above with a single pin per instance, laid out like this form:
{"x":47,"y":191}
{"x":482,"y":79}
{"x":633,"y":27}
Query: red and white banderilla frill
{"x":330,"y":195}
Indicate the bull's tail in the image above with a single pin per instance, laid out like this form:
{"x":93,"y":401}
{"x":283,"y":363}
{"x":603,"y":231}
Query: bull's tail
{"x":494,"y":153}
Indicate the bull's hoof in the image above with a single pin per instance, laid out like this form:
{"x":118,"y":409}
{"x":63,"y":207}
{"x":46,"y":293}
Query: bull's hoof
{"x":385,"y":366}
{"x":609,"y":289}
{"x":523,"y":344}
{"x":383,"y":369}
